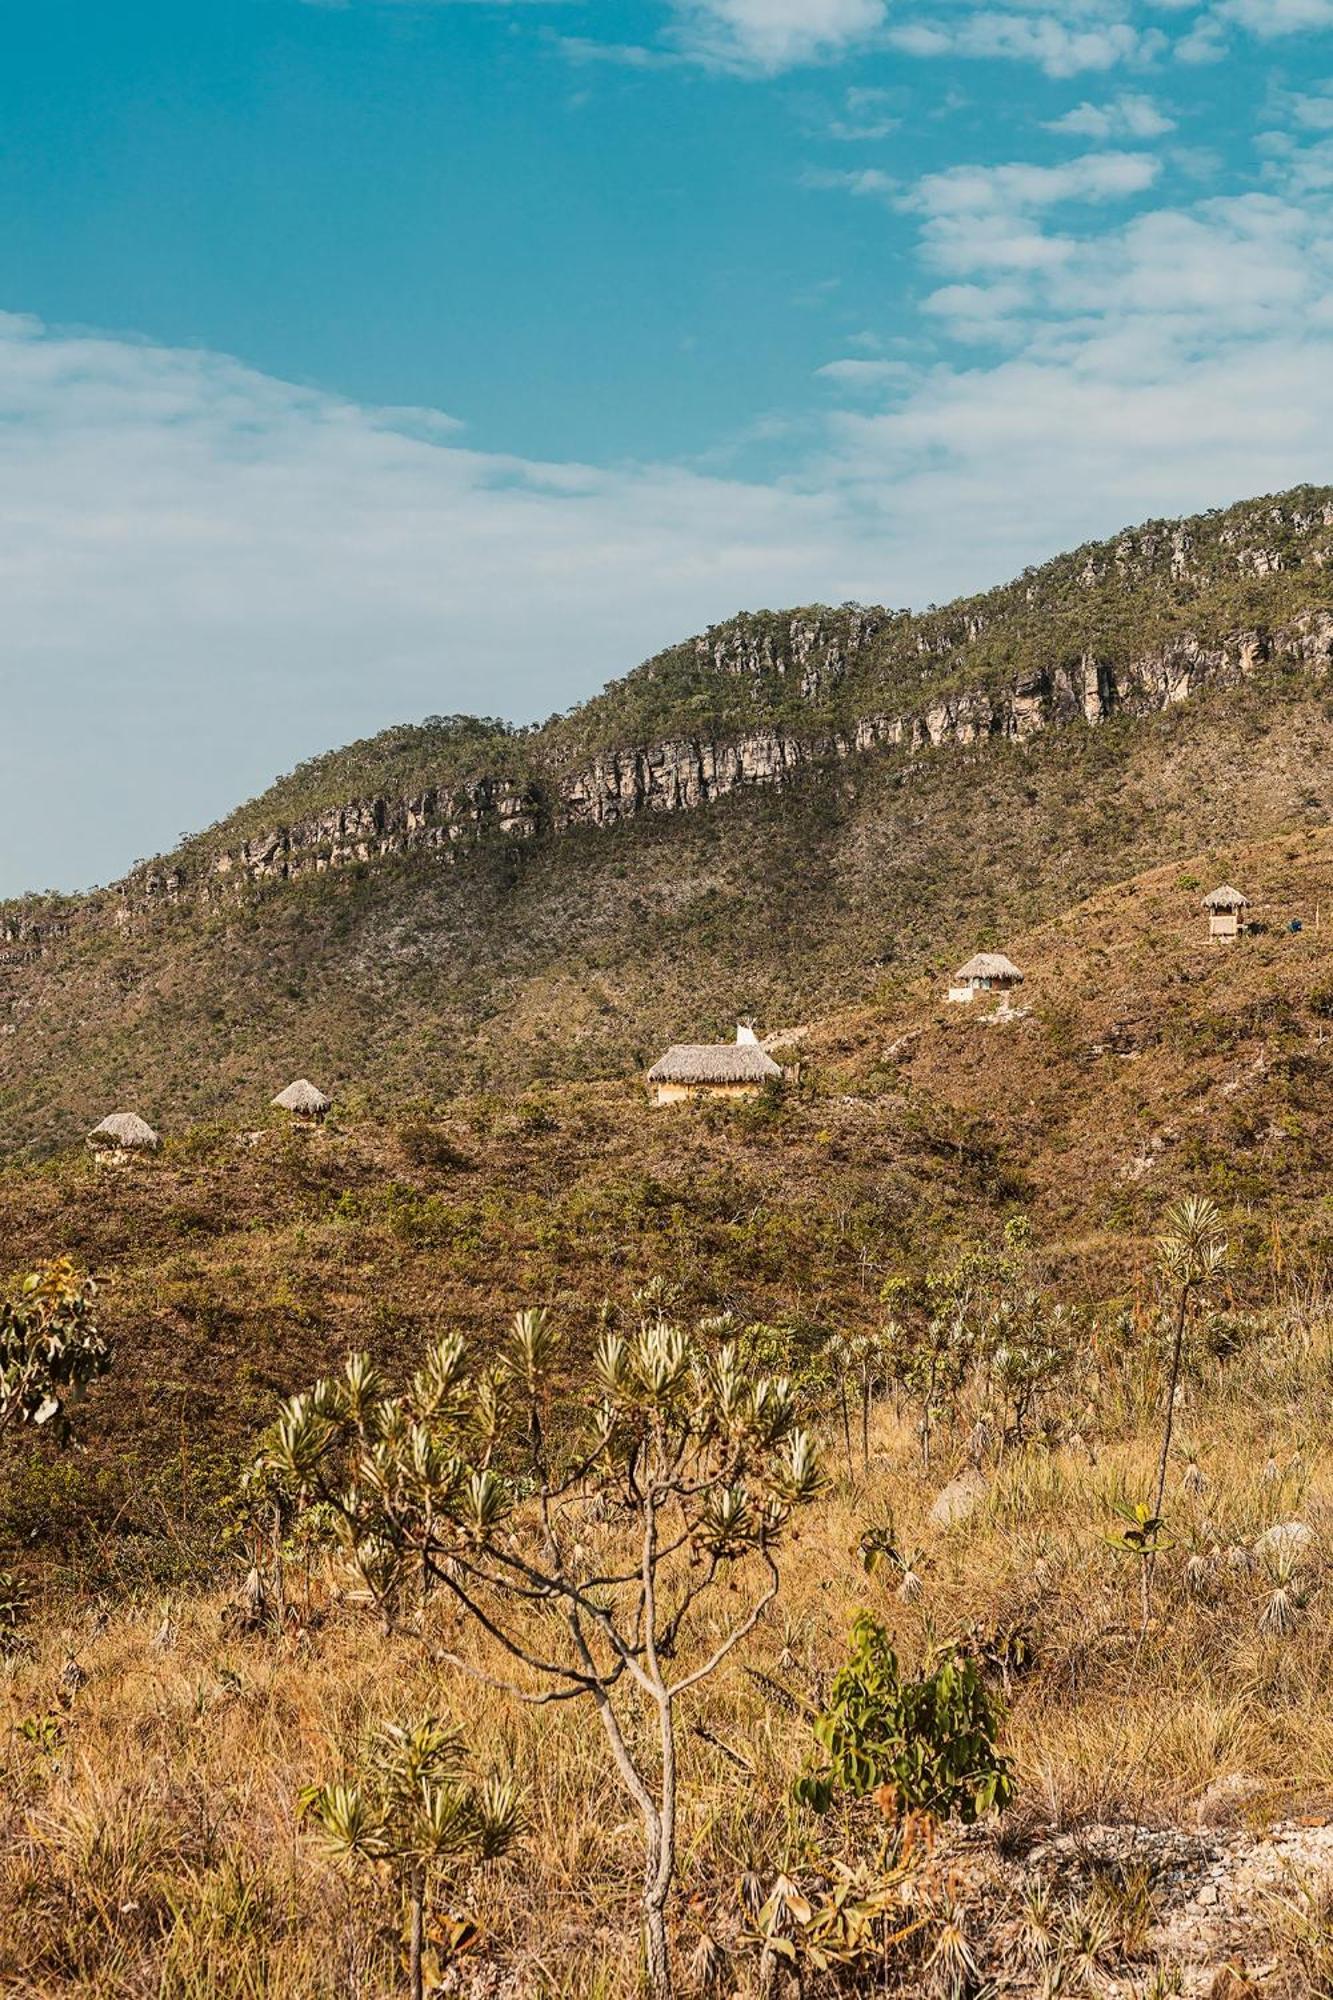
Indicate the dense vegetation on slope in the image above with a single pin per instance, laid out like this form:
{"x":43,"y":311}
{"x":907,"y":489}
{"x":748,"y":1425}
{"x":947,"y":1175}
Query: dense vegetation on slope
{"x":1142,"y":1062}
{"x":1217,"y":573}
{"x":583,"y":957}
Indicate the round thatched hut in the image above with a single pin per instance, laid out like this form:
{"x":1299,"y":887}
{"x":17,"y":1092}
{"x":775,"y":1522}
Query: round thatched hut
{"x":123,"y":1133}
{"x":713,"y":1069}
{"x":987,"y":972}
{"x":305,"y":1101}
{"x":1224,"y":906}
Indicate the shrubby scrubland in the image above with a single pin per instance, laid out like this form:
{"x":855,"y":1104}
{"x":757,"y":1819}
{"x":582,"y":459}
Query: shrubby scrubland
{"x":1023,"y":1565}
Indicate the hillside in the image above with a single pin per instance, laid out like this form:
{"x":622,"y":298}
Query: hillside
{"x":1172,"y":1777}
{"x":774,"y":818}
{"x":1140,"y":1062}
{"x":1172,"y":1822}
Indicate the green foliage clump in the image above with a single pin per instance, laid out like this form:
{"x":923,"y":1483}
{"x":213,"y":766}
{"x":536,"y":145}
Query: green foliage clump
{"x":925,"y":1746}
{"x":50,"y":1348}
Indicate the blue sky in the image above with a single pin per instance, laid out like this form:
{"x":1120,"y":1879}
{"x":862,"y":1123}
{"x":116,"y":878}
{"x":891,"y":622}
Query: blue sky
{"x":363,"y":361}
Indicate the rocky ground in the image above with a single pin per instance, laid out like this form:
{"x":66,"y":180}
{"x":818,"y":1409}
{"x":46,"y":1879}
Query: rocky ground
{"x":1228,"y":1903}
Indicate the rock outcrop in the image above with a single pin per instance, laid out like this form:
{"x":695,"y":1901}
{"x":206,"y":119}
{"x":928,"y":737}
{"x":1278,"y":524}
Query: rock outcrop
{"x":687,"y":772}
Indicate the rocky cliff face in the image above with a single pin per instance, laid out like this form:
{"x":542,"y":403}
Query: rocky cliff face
{"x":686,"y":772}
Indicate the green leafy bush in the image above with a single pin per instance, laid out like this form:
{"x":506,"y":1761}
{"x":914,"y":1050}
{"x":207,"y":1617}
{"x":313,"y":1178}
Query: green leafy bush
{"x":921,"y":1746}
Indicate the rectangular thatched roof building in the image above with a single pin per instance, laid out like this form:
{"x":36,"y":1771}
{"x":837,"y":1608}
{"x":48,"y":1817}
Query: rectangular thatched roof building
{"x":704,"y":1063}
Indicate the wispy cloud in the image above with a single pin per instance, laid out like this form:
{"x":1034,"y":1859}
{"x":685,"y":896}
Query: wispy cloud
{"x":1313,"y":109}
{"x":625,"y":55}
{"x":766,"y":36}
{"x":1129,"y":116}
{"x":1271,"y":19}
{"x":1058,"y":42}
{"x":867,"y":115}
{"x":195,"y":553}
{"x":856,"y":374}
{"x":989,"y":218}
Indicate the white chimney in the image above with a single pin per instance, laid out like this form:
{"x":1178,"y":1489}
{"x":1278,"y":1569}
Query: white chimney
{"x":745,"y":1033}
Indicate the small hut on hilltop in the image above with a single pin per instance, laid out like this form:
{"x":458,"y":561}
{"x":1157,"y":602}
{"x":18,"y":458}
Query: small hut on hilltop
{"x":986,"y":972}
{"x":122,"y":1134}
{"x":741,"y":1068}
{"x":306,"y":1102}
{"x":1224,"y":906}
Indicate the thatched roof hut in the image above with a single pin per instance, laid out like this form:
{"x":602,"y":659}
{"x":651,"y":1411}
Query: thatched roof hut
{"x":123,"y":1132}
{"x":989,"y":968}
{"x":721,"y":1062}
{"x":731,"y":1069}
{"x":304,"y":1100}
{"x":1224,"y":906}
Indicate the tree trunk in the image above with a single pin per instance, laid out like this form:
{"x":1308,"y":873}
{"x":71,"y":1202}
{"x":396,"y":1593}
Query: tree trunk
{"x":1164,"y":1459}
{"x":655,"y":1952}
{"x":1177,"y":1348}
{"x":416,"y":1935}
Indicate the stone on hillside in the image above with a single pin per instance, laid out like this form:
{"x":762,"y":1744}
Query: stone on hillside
{"x":1223,"y":1803}
{"x":1287,"y":1538}
{"x":959,"y":1499}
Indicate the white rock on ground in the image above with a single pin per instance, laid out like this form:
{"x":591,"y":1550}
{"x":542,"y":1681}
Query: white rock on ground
{"x":959,"y":1499}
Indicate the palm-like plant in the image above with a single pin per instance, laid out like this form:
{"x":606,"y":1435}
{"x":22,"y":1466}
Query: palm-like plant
{"x":413,"y":1807}
{"x":583,"y":1553}
{"x":1191,"y":1251}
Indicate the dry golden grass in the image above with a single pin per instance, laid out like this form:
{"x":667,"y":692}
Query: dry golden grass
{"x":150,"y":1843}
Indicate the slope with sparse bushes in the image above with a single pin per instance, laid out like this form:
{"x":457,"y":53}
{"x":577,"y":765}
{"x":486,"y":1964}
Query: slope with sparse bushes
{"x":792,"y":809}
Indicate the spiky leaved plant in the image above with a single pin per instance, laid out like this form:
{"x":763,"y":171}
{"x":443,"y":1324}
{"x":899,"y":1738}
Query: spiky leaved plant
{"x":583,"y":1549}
{"x":1191,"y":1252}
{"x":413,"y":1807}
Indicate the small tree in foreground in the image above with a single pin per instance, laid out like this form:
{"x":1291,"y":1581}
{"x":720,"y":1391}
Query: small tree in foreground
{"x":585,"y":1551}
{"x":413,"y":1809}
{"x":50,"y":1350}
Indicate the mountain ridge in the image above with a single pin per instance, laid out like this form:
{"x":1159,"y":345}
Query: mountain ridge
{"x":1287,"y":533}
{"x":881,"y":788}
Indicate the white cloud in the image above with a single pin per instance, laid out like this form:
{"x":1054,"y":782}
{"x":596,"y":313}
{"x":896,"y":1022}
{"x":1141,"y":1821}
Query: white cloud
{"x":1057,"y":44}
{"x":867,"y":115}
{"x":985,"y":218}
{"x":1313,"y":110}
{"x":1129,"y":116}
{"x":872,"y":181}
{"x":979,"y":313}
{"x":208,"y":573}
{"x":1299,"y":171}
{"x":627,"y":55}
{"x":851,"y":373}
{"x":1204,"y":44}
{"x":1018,"y":185}
{"x":766,"y":36}
{"x":1270,"y":19}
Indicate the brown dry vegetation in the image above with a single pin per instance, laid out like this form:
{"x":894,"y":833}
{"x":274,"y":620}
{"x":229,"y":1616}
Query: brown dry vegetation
{"x":1145,"y":1063}
{"x":578,"y":957}
{"x":149,"y":1842}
